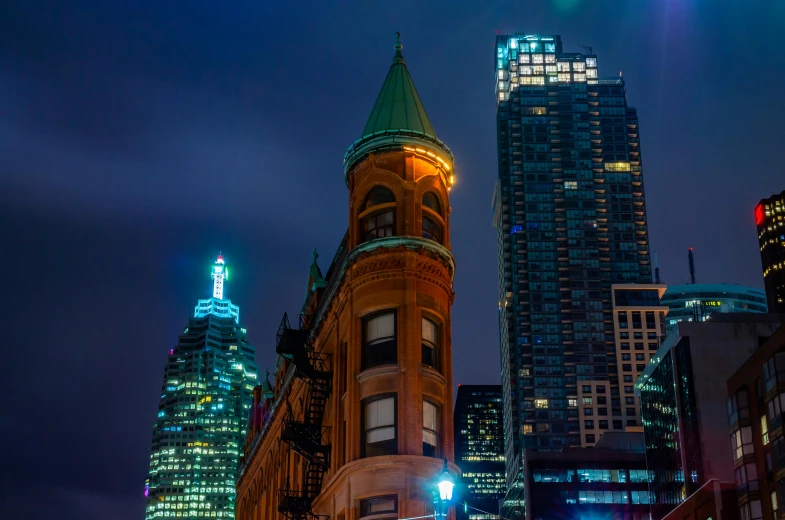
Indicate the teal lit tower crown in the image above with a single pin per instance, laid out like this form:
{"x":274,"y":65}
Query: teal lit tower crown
{"x":206,"y":397}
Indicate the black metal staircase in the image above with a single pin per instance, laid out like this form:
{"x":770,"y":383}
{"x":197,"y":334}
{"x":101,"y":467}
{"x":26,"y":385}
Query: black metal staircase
{"x":307,"y":437}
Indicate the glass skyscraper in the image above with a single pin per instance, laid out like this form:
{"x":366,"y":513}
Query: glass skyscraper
{"x":203,"y":413}
{"x":479,"y":449}
{"x":571,"y":220}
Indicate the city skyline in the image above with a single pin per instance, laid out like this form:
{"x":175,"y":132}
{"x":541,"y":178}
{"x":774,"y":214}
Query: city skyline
{"x":128,"y":130}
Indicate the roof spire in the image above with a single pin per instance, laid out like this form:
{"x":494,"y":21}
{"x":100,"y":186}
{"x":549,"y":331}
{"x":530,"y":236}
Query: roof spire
{"x":219,"y":273}
{"x":398,"y":107}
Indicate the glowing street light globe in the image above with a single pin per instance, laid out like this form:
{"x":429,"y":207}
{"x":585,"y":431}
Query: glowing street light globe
{"x":446,"y":484}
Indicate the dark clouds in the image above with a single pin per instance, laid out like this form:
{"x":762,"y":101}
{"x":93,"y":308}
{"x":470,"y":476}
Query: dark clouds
{"x":139,"y":138}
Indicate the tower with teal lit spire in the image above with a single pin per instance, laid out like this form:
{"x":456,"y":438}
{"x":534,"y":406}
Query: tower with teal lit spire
{"x":217,"y":304}
{"x":203,"y":411}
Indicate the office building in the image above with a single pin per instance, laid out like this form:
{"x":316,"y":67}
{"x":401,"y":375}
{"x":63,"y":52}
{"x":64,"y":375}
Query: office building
{"x":358,"y":422}
{"x":203,"y":413}
{"x":479,"y":449}
{"x":639,"y":325}
{"x":770,"y":219}
{"x":570,"y":218}
{"x":697,"y":302}
{"x":756,"y":397}
{"x":606,"y":481}
{"x":683,"y":403}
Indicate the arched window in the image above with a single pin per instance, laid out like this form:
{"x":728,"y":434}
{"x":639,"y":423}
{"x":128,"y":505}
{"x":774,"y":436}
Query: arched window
{"x":431,"y":229}
{"x":429,"y":200}
{"x":378,"y":195}
{"x":378,"y":224}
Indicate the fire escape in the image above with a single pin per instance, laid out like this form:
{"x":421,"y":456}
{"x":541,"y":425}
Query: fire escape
{"x":307,"y":437}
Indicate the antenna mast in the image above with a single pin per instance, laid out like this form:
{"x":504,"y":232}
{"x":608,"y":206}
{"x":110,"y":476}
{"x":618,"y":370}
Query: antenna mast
{"x":219,"y":273}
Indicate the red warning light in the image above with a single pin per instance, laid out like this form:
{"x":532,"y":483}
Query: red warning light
{"x":760,"y":216}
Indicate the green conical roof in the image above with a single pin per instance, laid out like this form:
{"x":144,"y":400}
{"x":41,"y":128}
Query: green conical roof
{"x":398,"y":106}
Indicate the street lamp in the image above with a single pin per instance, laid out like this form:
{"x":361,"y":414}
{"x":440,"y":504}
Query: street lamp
{"x":446,"y":484}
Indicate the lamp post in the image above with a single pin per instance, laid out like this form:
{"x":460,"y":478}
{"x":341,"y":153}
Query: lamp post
{"x":441,"y":500}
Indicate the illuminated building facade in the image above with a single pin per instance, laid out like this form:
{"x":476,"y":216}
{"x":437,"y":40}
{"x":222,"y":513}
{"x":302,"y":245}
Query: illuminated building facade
{"x":696,"y":302}
{"x":683,"y":403}
{"x":203,"y":413}
{"x":608,"y":481}
{"x":756,"y":396}
{"x":479,"y":448}
{"x":639,"y":325}
{"x":570,"y":218}
{"x":358,"y":421}
{"x":770,"y":219}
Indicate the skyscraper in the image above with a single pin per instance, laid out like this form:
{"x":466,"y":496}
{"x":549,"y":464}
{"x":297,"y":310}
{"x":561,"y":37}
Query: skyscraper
{"x":203,"y":412}
{"x":479,"y":448}
{"x":770,"y":219}
{"x":571,"y":220}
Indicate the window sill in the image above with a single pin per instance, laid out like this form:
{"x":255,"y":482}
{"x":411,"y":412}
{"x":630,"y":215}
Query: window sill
{"x":432,"y":372}
{"x":375,"y":371}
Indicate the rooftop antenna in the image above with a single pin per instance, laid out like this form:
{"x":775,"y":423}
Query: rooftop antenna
{"x":589,"y":50}
{"x":656,"y":269}
{"x":692,"y":267}
{"x":219,"y":273}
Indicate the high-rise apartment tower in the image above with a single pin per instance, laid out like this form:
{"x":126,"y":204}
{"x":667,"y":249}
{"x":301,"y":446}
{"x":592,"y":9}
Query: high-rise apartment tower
{"x":571,"y":221}
{"x":203,"y":413}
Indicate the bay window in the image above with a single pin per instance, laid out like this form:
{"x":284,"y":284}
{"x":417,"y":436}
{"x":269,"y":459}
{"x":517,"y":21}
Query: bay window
{"x":746,"y":478}
{"x":741,"y":442}
{"x":751,"y":511}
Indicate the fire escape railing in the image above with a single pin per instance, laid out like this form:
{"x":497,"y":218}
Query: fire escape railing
{"x":307,"y":437}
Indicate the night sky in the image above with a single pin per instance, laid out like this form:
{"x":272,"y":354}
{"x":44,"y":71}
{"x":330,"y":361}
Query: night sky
{"x":139,"y":139}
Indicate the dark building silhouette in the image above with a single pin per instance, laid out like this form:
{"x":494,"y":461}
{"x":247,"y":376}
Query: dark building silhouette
{"x":479,"y":449}
{"x":756,"y":398}
{"x":607,"y":481}
{"x":715,"y":500}
{"x":683,"y":403}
